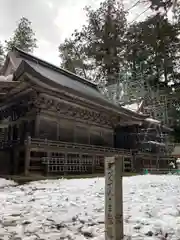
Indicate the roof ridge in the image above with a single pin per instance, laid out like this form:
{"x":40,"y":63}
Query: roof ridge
{"x":55,"y":68}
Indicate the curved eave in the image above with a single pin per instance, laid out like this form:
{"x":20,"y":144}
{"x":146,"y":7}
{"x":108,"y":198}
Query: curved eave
{"x":158,"y":123}
{"x":168,"y":129}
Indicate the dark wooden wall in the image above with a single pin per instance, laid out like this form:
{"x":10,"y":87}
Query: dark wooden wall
{"x":73,"y":131}
{"x":126,"y":137}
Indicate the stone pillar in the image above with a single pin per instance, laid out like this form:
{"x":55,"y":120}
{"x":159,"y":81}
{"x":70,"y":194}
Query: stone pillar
{"x":113,"y":198}
{"x":27,"y":155}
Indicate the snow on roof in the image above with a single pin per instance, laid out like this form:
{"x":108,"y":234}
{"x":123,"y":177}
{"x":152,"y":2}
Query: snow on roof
{"x":156,"y":143}
{"x":178,"y":160}
{"x":6,"y":78}
{"x":133,"y":107}
{"x":151,"y":120}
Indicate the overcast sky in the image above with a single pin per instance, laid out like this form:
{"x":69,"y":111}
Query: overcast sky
{"x":52,"y":21}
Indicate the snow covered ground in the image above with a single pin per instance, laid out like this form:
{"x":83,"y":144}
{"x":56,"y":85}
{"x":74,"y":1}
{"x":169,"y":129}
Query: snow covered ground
{"x":74,"y":209}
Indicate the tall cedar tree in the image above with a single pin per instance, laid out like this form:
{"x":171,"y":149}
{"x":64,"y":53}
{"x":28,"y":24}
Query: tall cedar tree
{"x":106,"y":38}
{"x":153,"y":50}
{"x":161,"y":4}
{"x":149,"y":48}
{"x":100,"y":44}
{"x":23,"y":37}
{"x":73,"y":56}
{"x":176,"y":10}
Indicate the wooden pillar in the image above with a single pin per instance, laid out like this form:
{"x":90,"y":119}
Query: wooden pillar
{"x":135,"y":166}
{"x":150,"y":163}
{"x":74,"y":137}
{"x":37,"y":125}
{"x":132,"y":162}
{"x":89,"y":135}
{"x":113,"y":198}
{"x":46,"y":167}
{"x":112,"y":139}
{"x":6,"y":134}
{"x":18,"y":131}
{"x":11,"y":132}
{"x":57,"y":136}
{"x":123,"y":164}
{"x":157,"y":162}
{"x":93,"y":163}
{"x":80,"y":162}
{"x":27,"y":155}
{"x":49,"y":156}
{"x":65,"y":163}
{"x":15,"y":161}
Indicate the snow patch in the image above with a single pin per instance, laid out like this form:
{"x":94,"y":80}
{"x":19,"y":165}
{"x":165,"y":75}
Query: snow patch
{"x":6,"y":183}
{"x":74,"y":209}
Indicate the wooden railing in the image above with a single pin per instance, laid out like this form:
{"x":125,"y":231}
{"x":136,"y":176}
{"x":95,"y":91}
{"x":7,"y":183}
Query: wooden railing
{"x":154,"y":156}
{"x":160,"y":170}
{"x":34,"y":142}
{"x":9,"y":143}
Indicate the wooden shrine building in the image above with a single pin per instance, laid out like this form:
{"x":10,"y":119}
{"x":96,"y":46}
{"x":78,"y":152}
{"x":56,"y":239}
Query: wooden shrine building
{"x":52,"y":121}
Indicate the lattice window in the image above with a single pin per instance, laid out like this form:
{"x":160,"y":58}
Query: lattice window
{"x":97,"y":160}
{"x":55,"y":168}
{"x":87,"y":159}
{"x":69,"y":168}
{"x":73,"y":158}
{"x":56,"y":154}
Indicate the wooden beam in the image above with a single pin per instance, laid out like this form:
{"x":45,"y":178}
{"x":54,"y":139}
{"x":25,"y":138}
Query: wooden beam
{"x":27,"y":156}
{"x":37,"y":124}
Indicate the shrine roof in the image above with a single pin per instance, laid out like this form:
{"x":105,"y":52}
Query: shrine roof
{"x":58,"y":78}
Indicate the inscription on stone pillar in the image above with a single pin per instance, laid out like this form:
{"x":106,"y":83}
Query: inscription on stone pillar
{"x":113,"y":198}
